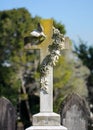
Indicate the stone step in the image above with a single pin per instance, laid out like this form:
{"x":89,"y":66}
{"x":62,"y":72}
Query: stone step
{"x":47,"y":128}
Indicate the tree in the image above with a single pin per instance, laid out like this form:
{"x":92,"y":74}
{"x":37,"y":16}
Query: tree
{"x":85,"y":53}
{"x":14,"y":26}
{"x":69,"y":76}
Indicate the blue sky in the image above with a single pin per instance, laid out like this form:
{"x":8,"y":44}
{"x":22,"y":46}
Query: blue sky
{"x":76,"y":15}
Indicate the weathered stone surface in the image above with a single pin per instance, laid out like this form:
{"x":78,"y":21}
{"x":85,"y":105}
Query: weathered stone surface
{"x":74,"y":113}
{"x":7,"y":115}
{"x":46,"y":119}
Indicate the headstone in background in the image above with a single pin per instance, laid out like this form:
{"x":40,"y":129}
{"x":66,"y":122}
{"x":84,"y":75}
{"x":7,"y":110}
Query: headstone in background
{"x":7,"y":115}
{"x":74,"y":113}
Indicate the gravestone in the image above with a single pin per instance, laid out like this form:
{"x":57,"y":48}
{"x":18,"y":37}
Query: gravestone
{"x":49,"y":53}
{"x":7,"y":115}
{"x":74,"y":113}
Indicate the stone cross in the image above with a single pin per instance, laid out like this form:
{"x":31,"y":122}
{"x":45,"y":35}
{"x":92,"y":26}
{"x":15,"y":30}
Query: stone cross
{"x":46,"y":117}
{"x":46,"y":99}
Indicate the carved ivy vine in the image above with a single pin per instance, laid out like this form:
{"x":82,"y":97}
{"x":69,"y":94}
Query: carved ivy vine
{"x":52,"y":58}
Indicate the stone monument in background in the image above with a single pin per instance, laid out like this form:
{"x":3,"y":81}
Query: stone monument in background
{"x":50,"y":42}
{"x":74,"y":112}
{"x":7,"y":115}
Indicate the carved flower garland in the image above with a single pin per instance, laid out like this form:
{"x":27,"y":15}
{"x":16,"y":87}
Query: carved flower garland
{"x":52,"y":58}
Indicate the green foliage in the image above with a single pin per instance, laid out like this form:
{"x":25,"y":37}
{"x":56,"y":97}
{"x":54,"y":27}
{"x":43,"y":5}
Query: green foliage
{"x":60,"y":26}
{"x":14,"y":26}
{"x":8,"y":83}
{"x":62,"y":73}
{"x":69,"y":76}
{"x":85,"y":53}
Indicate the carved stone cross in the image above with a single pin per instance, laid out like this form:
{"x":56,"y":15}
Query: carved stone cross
{"x":46,"y":117}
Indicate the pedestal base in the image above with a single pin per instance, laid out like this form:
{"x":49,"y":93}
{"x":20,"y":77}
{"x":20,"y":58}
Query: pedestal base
{"x":46,"y":128}
{"x":46,"y":121}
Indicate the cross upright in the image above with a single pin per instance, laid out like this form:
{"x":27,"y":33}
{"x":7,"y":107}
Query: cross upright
{"x":46,"y":117}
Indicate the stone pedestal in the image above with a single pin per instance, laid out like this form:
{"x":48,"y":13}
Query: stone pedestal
{"x":46,"y":121}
